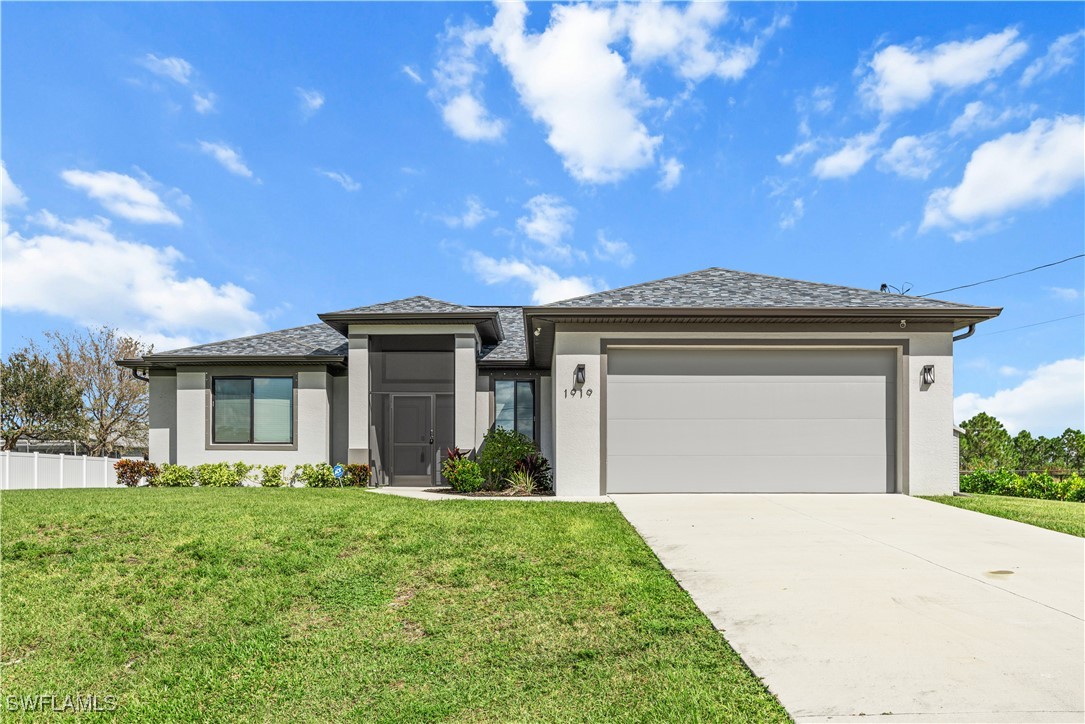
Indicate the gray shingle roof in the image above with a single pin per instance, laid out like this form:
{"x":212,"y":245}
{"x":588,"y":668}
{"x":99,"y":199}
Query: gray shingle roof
{"x":725,"y":288}
{"x":514,"y":347}
{"x":313,"y":339}
{"x":409,"y":305}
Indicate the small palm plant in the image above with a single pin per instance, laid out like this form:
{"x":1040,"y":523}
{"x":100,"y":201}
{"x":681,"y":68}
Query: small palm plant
{"x":520,"y":482}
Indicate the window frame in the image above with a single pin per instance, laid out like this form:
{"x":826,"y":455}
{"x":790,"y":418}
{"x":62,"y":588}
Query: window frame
{"x":534,"y":380}
{"x":251,"y":444}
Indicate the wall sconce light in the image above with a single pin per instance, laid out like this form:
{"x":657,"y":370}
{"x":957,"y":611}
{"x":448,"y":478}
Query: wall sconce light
{"x":927,"y":375}
{"x":578,"y":374}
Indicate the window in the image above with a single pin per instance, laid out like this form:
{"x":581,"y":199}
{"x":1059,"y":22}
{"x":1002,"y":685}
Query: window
{"x":514,"y":402}
{"x":253,"y":410}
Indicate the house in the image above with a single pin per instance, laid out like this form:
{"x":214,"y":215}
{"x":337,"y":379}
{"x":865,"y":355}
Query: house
{"x":713,"y":381}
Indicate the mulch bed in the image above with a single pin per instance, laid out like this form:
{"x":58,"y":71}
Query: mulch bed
{"x":490,"y":493}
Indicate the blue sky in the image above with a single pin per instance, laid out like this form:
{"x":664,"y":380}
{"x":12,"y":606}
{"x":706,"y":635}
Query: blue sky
{"x":192,"y":172}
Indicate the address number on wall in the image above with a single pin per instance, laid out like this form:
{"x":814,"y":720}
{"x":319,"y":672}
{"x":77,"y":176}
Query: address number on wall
{"x":577,"y":392}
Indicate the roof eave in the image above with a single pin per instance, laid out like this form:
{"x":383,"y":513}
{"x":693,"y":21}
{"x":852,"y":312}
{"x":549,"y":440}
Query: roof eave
{"x":963,"y":315}
{"x":488,"y":324}
{"x":165,"y":361}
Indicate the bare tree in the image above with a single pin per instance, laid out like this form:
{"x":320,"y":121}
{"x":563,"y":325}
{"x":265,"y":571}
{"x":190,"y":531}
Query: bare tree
{"x":115,"y":404}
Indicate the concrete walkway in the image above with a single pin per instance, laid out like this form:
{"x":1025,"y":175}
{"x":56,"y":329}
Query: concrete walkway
{"x":883,"y":606}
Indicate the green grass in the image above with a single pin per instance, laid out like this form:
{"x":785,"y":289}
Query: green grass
{"x":330,"y":605}
{"x":1063,"y":516}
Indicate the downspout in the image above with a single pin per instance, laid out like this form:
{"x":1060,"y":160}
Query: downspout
{"x":138,"y":376}
{"x":966,"y":335}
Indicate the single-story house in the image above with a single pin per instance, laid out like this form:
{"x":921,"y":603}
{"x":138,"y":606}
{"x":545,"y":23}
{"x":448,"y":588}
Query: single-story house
{"x":713,"y":381}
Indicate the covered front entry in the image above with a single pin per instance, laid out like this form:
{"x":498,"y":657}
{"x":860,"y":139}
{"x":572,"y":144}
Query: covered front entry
{"x":412,"y":407}
{"x":707,"y":420}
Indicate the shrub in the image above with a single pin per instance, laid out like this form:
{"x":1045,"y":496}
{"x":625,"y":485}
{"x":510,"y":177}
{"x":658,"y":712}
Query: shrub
{"x":356,"y":475}
{"x":1034,"y":485}
{"x":131,"y":472}
{"x":521,"y":482}
{"x":315,"y":476}
{"x":538,"y":467}
{"x":500,"y":451}
{"x":271,"y":476}
{"x":463,"y":474}
{"x":175,"y":476}
{"x":222,"y":475}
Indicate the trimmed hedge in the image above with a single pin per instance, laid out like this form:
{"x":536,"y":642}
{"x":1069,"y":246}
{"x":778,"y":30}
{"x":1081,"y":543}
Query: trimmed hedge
{"x":1033,"y":485}
{"x":232,"y":475}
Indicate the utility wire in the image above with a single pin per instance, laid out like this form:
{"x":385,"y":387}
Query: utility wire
{"x":1034,"y":324}
{"x":1007,"y":276}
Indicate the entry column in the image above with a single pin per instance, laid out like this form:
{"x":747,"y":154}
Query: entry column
{"x":466,"y":373}
{"x":358,"y":398}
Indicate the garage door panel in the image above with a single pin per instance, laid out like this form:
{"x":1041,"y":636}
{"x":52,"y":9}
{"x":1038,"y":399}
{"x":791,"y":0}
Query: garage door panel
{"x":750,"y":420}
{"x":745,"y":399}
{"x":746,"y":437}
{"x":733,"y":474}
{"x":750,"y":362}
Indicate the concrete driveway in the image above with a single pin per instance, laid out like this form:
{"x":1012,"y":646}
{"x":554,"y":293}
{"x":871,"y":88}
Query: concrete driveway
{"x":883,"y":606}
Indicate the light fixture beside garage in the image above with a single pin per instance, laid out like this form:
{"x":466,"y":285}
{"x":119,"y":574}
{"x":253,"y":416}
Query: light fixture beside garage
{"x":578,"y":375}
{"x":927,"y":375}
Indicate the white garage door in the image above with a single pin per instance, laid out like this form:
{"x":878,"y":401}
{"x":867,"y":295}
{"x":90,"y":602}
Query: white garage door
{"x":750,"y":421}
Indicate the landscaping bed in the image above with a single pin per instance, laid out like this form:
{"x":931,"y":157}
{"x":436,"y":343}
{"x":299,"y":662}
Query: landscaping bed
{"x":325,"y":605}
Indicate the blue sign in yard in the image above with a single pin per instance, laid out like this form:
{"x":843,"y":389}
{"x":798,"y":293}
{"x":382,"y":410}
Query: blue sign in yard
{"x":338,"y":471}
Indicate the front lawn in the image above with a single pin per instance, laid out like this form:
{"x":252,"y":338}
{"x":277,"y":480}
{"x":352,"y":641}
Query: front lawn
{"x":1063,"y":516}
{"x":325,"y":605}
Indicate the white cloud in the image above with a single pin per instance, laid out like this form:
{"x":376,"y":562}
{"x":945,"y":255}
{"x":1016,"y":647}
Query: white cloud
{"x":823,"y":98}
{"x":122,"y":195}
{"x":613,"y":250}
{"x":1017,"y":170}
{"x":411,"y":73}
{"x":572,"y":82}
{"x":1065,"y":294}
{"x":793,"y":215}
{"x":848,"y":161}
{"x":228,"y":157}
{"x":683,"y":38}
{"x":204,"y":104}
{"x":546,"y":284}
{"x":798,"y":151}
{"x":670,"y":173}
{"x":470,"y":120}
{"x":310,"y":101}
{"x":901,"y":78}
{"x":457,"y":89}
{"x":910,"y":157}
{"x":13,"y":195}
{"x":548,"y":223}
{"x":1060,"y":55}
{"x":979,"y":116}
{"x":81,"y":271}
{"x":341,"y":178}
{"x":473,"y":215}
{"x":176,"y":69}
{"x":1047,"y":402}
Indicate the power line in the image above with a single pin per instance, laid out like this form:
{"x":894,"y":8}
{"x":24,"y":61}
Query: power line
{"x":1007,"y":276}
{"x":1034,"y":324}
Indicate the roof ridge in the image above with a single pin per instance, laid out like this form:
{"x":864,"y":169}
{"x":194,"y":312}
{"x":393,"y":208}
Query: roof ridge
{"x":821,"y":284}
{"x":630,"y":286}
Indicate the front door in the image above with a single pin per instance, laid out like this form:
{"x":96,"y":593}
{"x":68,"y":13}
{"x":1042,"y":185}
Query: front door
{"x":412,"y":440}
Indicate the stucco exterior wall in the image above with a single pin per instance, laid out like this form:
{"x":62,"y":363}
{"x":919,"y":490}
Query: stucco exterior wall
{"x":312,"y":432}
{"x":338,"y":394}
{"x":162,"y":433}
{"x":925,"y":414}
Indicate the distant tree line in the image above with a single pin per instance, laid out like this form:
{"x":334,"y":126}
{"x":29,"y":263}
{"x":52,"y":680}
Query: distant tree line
{"x":72,"y":391}
{"x":986,"y":445}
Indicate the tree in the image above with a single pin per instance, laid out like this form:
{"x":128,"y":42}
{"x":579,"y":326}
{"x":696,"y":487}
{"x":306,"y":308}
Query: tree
{"x":1032,"y":452}
{"x":115,"y":404}
{"x":986,"y":445}
{"x":38,"y":401}
{"x":1072,"y":448}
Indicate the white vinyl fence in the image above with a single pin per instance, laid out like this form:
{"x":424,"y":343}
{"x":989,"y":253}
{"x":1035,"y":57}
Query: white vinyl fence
{"x":32,"y":471}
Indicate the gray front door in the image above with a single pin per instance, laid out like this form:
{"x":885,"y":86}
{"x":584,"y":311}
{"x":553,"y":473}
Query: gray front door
{"x":412,"y":440}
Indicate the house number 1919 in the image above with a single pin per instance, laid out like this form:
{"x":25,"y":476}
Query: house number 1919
{"x":577,"y":392}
